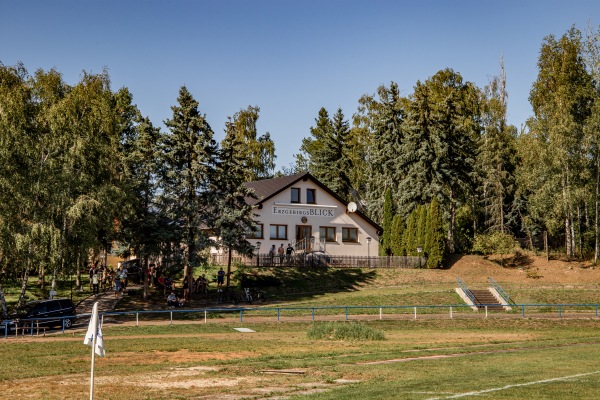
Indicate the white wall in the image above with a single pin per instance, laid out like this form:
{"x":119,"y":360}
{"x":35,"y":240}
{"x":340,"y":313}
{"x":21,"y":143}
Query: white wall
{"x":325,"y":205}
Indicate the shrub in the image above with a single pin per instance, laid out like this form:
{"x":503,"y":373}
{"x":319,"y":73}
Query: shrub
{"x":495,"y":243}
{"x":344,"y":331}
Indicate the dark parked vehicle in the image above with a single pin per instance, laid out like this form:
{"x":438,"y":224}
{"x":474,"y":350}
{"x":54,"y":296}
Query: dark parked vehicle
{"x":46,"y":313}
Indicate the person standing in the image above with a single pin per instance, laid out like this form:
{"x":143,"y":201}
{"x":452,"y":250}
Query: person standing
{"x":95,"y":283}
{"x":117,"y":284}
{"x":272,"y":254}
{"x":186,"y":287}
{"x":280,"y":253}
{"x":124,"y":274}
{"x":92,"y":271}
{"x":288,"y":253}
{"x":220,"y":277}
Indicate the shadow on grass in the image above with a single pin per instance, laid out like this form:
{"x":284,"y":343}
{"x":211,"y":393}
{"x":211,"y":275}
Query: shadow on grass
{"x":286,"y":284}
{"x":451,"y":260}
{"x":306,"y":283}
{"x":517,"y":260}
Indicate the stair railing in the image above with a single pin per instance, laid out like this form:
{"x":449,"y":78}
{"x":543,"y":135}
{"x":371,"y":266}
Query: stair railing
{"x":308,"y":244}
{"x":501,"y":292}
{"x":301,"y":246}
{"x":466,"y":289}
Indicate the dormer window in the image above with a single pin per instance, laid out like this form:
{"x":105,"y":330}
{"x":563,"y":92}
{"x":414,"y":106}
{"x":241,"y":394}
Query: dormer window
{"x":295,"y":195}
{"x":311,"y":196}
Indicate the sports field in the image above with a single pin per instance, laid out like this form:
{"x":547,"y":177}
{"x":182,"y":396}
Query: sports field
{"x":438,"y":358}
{"x":504,"y":356}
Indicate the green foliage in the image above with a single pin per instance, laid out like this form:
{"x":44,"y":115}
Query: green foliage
{"x":397,"y":233}
{"x":59,"y":170}
{"x":189,"y":156}
{"x":233,"y":216}
{"x":386,"y":116}
{"x":555,"y":176}
{"x":388,"y":215}
{"x":326,"y":154}
{"x":464,"y":229}
{"x":410,"y":239}
{"x":494,"y":243}
{"x":435,"y":243}
{"x":256,"y":152}
{"x":443,"y":127}
{"x":352,"y":331}
{"x":496,"y":159}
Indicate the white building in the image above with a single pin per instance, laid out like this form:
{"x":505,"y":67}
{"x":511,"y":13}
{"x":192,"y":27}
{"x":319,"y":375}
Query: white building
{"x":300,"y":210}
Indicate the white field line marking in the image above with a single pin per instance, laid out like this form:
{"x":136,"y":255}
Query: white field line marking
{"x":456,"y":396}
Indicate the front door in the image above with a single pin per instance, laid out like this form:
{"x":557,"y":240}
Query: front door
{"x":303,"y":234}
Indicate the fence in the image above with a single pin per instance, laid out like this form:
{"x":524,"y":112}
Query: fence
{"x":310,"y":314}
{"x":319,"y":259}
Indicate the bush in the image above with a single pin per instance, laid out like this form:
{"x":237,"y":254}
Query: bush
{"x":495,"y":243}
{"x":343,"y":331}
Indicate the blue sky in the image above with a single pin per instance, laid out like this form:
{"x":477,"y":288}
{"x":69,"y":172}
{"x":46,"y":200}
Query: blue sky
{"x":290,"y":58}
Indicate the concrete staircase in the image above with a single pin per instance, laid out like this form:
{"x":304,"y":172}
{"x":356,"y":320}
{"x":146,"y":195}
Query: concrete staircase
{"x":484,"y":297}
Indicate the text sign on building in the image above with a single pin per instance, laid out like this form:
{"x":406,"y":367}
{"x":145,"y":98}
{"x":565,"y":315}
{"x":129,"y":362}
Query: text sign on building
{"x":303,"y":212}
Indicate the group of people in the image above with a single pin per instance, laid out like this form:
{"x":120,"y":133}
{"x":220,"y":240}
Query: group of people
{"x":102,"y":277}
{"x":105,"y":277}
{"x":200,"y":285}
{"x":120,"y":280}
{"x":174,"y":301}
{"x":282,"y":254}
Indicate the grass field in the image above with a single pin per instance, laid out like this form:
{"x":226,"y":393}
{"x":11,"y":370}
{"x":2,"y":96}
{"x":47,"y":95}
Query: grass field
{"x":423,"y":359}
{"x":433,"y":357}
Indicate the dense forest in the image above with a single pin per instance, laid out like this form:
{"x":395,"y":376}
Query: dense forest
{"x":81,"y":168}
{"x":449,"y":141}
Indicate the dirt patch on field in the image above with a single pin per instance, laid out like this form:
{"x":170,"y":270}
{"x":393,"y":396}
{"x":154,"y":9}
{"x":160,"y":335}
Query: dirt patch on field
{"x":177,"y":382}
{"x":180,"y":356}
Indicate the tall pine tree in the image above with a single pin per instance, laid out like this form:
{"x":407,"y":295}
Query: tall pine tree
{"x":234,"y":217}
{"x":190,"y":158}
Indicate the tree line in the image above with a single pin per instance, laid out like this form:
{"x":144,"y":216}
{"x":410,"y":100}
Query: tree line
{"x":81,"y":168}
{"x":449,"y":142}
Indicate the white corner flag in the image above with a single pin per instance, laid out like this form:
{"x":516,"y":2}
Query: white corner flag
{"x":94,"y":338}
{"x":95,"y":332}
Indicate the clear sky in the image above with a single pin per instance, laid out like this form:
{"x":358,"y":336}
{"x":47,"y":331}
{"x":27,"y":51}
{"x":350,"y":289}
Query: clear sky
{"x":290,"y":58}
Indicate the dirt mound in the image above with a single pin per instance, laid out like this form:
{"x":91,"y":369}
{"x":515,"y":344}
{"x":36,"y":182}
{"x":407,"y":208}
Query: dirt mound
{"x":475,"y":271}
{"x":525,"y":269}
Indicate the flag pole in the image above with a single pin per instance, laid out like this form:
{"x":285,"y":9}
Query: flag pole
{"x":94,"y":328}
{"x":92,"y":374}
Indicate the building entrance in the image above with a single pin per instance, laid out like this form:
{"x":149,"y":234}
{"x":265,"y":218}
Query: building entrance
{"x":303,"y":234}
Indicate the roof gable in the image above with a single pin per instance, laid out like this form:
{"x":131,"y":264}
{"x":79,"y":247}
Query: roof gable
{"x":268,"y":188}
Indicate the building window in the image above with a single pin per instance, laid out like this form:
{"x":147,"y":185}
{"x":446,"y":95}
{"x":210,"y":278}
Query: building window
{"x":278,"y":232}
{"x":295,"y":195}
{"x":311,"y":196}
{"x":350,"y":235}
{"x":327,"y":233}
{"x":256,"y":232}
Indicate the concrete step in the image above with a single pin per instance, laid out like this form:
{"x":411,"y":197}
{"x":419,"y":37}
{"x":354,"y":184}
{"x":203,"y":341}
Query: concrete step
{"x":483,"y":297}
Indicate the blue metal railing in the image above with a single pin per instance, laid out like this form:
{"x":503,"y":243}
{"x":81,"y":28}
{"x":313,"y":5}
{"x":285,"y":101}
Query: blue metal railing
{"x":465,"y":289}
{"x":501,"y":292}
{"x":29,"y":326}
